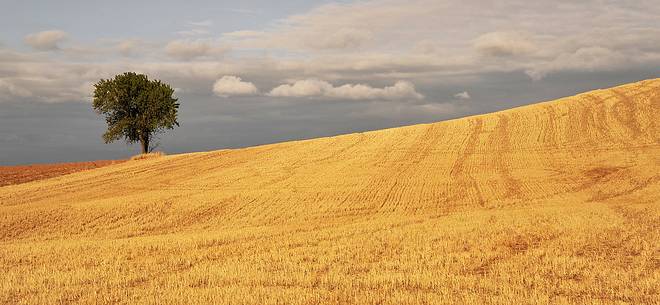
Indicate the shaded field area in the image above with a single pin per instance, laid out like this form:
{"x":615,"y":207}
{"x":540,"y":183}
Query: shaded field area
{"x":552,"y":203}
{"x":25,"y":173}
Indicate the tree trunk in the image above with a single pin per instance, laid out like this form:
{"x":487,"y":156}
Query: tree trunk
{"x":145,"y":144}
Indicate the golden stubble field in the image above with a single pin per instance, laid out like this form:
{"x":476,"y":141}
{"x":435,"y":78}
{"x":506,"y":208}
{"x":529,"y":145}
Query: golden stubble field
{"x":556,"y":202}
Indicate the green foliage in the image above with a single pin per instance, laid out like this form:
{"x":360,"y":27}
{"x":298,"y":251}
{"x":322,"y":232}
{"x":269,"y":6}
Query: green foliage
{"x":135,"y":108}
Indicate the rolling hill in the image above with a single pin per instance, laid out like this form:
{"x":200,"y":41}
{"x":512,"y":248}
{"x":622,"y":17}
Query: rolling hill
{"x":555,"y":202}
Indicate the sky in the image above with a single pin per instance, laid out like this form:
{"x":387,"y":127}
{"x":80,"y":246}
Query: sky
{"x":254,"y":72}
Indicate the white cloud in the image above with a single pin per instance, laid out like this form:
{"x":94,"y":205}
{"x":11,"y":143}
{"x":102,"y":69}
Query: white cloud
{"x":46,"y":40}
{"x":462,"y":95}
{"x":319,"y":88}
{"x":192,"y":49}
{"x":233,"y":86}
{"x":302,"y":88}
{"x":400,"y":90}
{"x":504,"y":44}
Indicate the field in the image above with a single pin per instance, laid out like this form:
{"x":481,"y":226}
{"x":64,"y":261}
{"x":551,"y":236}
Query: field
{"x":25,"y":173}
{"x":556,"y":202}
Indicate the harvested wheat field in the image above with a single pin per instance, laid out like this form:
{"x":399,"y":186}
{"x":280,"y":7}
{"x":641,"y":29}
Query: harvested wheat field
{"x":556,"y":202}
{"x":25,"y":173}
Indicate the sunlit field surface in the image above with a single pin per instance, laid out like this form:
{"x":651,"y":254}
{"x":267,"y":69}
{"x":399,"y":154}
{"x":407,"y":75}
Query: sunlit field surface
{"x":556,"y":202}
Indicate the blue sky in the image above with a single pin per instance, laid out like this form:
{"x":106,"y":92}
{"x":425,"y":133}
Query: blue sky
{"x":253,"y":72}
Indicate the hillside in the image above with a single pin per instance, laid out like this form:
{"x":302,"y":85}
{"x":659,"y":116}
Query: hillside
{"x":553,"y":202}
{"x":18,"y":174}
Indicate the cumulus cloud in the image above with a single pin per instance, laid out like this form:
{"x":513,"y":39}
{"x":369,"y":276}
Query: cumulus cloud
{"x":319,"y":88}
{"x":503,"y":44}
{"x":462,"y":95}
{"x":233,"y":86}
{"x":400,"y":90}
{"x":302,"y":88}
{"x":192,"y":49}
{"x":46,"y":40}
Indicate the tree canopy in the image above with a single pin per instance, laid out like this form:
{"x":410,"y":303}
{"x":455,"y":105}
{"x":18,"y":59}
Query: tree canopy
{"x":135,"y":108}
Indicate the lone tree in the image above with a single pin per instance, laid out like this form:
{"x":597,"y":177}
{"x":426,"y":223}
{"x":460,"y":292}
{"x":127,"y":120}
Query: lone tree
{"x":135,"y":108}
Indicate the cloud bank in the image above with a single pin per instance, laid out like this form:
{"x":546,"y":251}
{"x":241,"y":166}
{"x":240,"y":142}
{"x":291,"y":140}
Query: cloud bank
{"x":318,"y":88}
{"x":357,"y":44}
